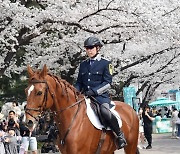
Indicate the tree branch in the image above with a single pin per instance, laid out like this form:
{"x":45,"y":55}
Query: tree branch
{"x":171,"y":11}
{"x":100,"y":10}
{"x":148,"y":57}
{"x":7,"y":61}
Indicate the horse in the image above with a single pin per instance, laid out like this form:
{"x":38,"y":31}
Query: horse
{"x":48,"y":92}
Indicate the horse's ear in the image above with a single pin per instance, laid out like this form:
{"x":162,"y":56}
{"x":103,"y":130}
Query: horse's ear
{"x":44,"y":71}
{"x":30,"y":71}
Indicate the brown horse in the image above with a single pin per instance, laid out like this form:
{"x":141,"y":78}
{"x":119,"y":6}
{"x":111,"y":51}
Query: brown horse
{"x":76,"y":133}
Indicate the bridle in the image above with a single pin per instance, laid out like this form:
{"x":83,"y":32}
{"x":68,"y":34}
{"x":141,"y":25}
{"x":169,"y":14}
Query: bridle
{"x":41,"y":109}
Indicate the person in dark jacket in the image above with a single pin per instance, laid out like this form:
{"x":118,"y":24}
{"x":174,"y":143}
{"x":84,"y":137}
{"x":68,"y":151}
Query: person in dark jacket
{"x":148,"y":125}
{"x":94,"y":80}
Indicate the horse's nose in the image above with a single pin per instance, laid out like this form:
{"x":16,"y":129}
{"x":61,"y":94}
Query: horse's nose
{"x":30,"y":121}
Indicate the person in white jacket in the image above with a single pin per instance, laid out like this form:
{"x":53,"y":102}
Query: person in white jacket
{"x":174,"y":118}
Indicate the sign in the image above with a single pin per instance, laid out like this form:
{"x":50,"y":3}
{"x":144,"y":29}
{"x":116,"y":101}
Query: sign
{"x":178,"y":99}
{"x":129,"y":93}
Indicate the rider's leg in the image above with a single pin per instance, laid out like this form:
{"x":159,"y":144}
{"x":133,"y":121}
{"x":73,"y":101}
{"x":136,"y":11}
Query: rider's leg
{"x":113,"y":123}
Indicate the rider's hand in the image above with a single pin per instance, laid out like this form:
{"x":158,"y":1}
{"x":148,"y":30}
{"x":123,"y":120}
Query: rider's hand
{"x":89,"y":93}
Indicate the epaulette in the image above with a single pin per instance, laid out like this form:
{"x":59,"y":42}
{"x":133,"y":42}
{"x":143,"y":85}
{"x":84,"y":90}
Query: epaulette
{"x":106,"y":59}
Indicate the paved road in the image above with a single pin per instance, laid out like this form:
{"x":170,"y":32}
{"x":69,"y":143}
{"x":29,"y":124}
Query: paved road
{"x":162,"y":144}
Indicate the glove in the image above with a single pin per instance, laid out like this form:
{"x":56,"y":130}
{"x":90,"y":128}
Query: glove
{"x":89,"y":93}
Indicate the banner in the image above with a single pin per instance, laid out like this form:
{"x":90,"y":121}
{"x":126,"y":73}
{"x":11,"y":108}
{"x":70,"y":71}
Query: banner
{"x":178,"y":99}
{"x":129,"y":93}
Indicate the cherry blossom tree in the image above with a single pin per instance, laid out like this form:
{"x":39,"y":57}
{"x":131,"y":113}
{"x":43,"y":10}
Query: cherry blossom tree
{"x":140,"y":37}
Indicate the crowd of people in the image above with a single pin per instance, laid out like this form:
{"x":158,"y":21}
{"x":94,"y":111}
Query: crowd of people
{"x":146,"y":117}
{"x":17,"y":137}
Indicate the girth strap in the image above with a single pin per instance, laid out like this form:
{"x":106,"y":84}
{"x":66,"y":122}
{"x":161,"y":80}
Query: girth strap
{"x":101,"y":141}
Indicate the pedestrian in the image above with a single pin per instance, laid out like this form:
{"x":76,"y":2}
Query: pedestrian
{"x":29,"y":140}
{"x":141,"y":140}
{"x":2,"y":149}
{"x":94,"y":80}
{"x":10,"y":142}
{"x":148,"y":119}
{"x":16,"y":108}
{"x":178,"y":125}
{"x":174,"y":118}
{"x":3,"y":123}
{"x":13,"y":121}
{"x":2,"y":133}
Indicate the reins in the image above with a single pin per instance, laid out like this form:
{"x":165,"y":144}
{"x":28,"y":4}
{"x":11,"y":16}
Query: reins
{"x":70,"y":126}
{"x":76,"y":103}
{"x":73,"y":119}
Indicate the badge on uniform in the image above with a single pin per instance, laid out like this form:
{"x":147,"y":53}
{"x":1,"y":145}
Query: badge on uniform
{"x":111,"y":69}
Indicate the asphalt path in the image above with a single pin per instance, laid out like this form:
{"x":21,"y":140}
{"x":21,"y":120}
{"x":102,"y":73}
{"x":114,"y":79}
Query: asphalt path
{"x":162,"y":144}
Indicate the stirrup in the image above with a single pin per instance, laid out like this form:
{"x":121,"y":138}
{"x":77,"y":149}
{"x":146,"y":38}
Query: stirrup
{"x":121,"y":143}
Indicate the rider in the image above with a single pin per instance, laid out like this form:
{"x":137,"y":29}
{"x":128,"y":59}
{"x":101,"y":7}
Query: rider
{"x":94,"y":80}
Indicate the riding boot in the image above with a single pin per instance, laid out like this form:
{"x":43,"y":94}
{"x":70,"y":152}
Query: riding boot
{"x":113,"y":124}
{"x":121,"y":140}
{"x":120,"y":135}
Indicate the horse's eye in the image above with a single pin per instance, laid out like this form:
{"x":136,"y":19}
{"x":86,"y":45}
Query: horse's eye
{"x":39,"y":92}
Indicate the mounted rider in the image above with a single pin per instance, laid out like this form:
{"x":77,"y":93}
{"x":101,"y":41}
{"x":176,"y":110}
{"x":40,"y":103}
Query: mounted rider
{"x":94,"y":80}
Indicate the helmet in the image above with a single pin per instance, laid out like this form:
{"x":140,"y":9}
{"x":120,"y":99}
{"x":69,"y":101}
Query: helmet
{"x":92,"y":41}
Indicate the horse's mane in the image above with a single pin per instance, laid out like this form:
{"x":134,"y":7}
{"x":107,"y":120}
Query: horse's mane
{"x":66,"y":85}
{"x":60,"y":82}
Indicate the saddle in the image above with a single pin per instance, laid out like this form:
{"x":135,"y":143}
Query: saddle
{"x":95,"y":117}
{"x":96,"y":108}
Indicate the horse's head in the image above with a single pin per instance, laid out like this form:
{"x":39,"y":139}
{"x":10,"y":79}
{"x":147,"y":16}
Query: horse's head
{"x":39,"y":97}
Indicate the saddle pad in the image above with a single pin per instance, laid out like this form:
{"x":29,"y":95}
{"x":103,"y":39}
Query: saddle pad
{"x":94,"y":118}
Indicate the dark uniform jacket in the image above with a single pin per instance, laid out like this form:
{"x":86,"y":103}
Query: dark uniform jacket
{"x":97,"y":76}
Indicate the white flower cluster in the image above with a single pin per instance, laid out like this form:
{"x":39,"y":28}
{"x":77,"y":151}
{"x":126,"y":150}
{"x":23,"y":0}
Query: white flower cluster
{"x":140,"y":36}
